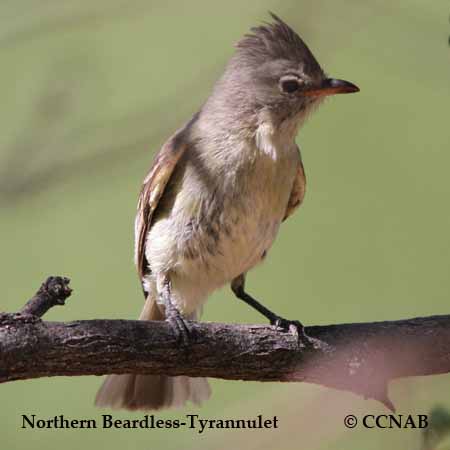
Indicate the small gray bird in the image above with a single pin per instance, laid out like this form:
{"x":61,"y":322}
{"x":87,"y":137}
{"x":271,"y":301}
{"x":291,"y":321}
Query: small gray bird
{"x":216,"y":194}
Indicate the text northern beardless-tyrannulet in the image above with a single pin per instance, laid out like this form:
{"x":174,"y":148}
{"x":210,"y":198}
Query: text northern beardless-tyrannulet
{"x":218,"y":190}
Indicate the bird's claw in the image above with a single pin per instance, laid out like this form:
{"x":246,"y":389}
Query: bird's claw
{"x":295,"y":327}
{"x":179,"y":326}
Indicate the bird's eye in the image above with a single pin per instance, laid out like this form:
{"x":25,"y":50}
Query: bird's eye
{"x":289,"y":85}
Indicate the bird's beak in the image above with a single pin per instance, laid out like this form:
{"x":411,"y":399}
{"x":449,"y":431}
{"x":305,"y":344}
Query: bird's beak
{"x":330,"y":86}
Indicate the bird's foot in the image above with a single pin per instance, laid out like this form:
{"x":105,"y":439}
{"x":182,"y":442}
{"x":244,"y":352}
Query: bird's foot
{"x":179,"y":325}
{"x":295,"y":327}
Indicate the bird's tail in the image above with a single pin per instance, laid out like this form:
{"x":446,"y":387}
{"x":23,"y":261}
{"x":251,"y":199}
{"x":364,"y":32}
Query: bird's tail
{"x":151,"y":391}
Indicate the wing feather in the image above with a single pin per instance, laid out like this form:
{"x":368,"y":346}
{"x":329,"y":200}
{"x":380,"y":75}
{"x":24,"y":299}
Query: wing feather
{"x":298,"y":189}
{"x":151,"y":192}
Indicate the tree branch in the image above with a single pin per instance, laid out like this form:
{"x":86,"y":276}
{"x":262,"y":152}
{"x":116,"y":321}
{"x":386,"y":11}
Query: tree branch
{"x":359,"y":357}
{"x":52,"y":292}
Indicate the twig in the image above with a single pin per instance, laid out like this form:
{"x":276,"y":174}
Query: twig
{"x":359,"y":357}
{"x":52,"y":292}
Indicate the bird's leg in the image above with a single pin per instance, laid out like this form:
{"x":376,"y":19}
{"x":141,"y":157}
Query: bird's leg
{"x":173,"y":315}
{"x":238,"y":287}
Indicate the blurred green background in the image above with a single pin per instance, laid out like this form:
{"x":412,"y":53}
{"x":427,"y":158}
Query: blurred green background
{"x":90,"y":90}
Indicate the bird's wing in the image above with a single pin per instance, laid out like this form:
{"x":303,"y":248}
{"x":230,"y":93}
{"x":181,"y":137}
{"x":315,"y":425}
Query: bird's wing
{"x":298,"y":188}
{"x":152,"y":190}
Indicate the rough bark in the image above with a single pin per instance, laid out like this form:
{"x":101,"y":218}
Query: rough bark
{"x":357,"y":357}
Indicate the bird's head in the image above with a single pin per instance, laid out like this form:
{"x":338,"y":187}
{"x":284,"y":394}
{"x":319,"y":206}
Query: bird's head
{"x":274,"y":71}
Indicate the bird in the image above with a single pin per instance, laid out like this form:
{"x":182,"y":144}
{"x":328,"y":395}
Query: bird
{"x":216,"y":195}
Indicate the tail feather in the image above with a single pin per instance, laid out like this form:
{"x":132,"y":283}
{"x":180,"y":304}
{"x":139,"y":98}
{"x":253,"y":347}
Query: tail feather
{"x":147,"y":392}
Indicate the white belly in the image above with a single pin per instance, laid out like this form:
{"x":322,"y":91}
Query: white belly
{"x":204,"y":252}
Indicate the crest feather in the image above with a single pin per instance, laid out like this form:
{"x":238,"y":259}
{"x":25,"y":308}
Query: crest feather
{"x":276,"y":40}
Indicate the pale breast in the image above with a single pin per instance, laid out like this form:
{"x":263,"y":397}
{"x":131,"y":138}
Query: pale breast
{"x":228,"y":229}
{"x":213,"y":227}
{"x":265,"y":197}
